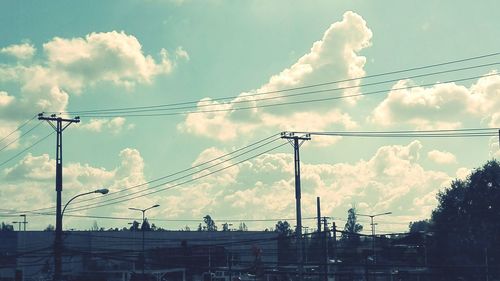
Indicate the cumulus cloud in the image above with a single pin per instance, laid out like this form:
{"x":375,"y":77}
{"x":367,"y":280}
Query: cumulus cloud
{"x":70,"y":65}
{"x":37,"y":174}
{"x":441,"y":106}
{"x":442,"y":157}
{"x":334,"y":57}
{"x":21,"y":51}
{"x":390,"y":180}
{"x":111,"y":56}
{"x":114,"y":125}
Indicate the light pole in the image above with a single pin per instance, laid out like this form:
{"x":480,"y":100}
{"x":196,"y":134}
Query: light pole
{"x":58,"y":241}
{"x":373,"y":231}
{"x":142,"y":229}
{"x":24,"y":221}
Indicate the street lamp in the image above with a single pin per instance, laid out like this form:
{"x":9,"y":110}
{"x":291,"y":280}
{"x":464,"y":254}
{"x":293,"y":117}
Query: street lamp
{"x":58,"y":240}
{"x":373,"y":231}
{"x":24,"y":221}
{"x":142,"y":228}
{"x":101,"y":191}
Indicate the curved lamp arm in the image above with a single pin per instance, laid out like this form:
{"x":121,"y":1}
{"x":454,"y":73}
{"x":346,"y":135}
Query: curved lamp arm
{"x":102,"y":191}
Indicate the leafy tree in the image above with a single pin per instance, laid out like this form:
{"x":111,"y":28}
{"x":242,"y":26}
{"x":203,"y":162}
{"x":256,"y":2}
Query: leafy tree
{"x":286,"y":251}
{"x":145,"y":225}
{"x":283,"y":228}
{"x":7,"y":227}
{"x":134,"y":226}
{"x":210,"y":224}
{"x":225,"y":227}
{"x":465,"y":224}
{"x":351,"y":229}
{"x":49,"y":228}
{"x":242,"y":227}
{"x":419,"y":226}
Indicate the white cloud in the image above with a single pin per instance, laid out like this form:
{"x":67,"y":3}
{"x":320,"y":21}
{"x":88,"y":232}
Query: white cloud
{"x":391,"y":180}
{"x":70,"y":65}
{"x":114,"y":125}
{"x":37,"y":174}
{"x":5,"y":99}
{"x":109,"y":56}
{"x":441,"y":106}
{"x":181,"y":53}
{"x":463,"y":173}
{"x":334,"y":57}
{"x":441,"y":157}
{"x":21,"y":51}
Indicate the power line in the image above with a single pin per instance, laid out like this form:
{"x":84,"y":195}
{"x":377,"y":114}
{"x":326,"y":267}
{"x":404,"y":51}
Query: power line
{"x":104,"y":115}
{"x":198,"y":105}
{"x":19,"y":128}
{"x":97,"y":205}
{"x":24,"y":150}
{"x":302,"y":87}
{"x":266,"y":141}
{"x":16,"y":139}
{"x":467,"y":132}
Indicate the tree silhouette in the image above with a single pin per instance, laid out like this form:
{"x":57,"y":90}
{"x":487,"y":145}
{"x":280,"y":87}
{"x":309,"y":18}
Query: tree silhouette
{"x":466,"y":225}
{"x":210,"y":224}
{"x":351,"y":229}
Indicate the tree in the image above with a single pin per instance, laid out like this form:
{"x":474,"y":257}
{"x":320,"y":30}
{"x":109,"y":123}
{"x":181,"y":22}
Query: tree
{"x":286,"y":252}
{"x":49,"y":228}
{"x":225,"y":227}
{"x":7,"y":227}
{"x":145,"y":225}
{"x":465,"y":225}
{"x":242,"y":227}
{"x":210,"y":224}
{"x":421,"y":226}
{"x":350,"y":235}
{"x":134,"y":226}
{"x":283,"y":228}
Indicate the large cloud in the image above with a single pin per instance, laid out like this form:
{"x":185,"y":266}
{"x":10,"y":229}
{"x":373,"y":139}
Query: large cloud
{"x":69,"y":66}
{"x":391,"y":180}
{"x":29,"y":184}
{"x":440,"y":106}
{"x":334,"y":57}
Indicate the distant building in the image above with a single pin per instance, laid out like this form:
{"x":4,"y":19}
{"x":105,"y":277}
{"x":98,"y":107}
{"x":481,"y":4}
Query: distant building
{"x":118,"y":255}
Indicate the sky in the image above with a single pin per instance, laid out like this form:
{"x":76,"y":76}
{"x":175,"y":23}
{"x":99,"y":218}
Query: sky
{"x":182,"y":104}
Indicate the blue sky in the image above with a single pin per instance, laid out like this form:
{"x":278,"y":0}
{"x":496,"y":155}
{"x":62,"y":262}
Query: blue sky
{"x":72,"y":56}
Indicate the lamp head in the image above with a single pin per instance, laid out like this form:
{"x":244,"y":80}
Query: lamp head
{"x":102,"y":191}
{"x":157,"y":205}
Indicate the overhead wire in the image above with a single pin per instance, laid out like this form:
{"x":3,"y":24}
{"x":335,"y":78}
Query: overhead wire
{"x":22,"y":135}
{"x":26,"y":149}
{"x":104,"y":115}
{"x":239,"y":152}
{"x":18,"y":128}
{"x":245,"y":100}
{"x":135,"y":195}
{"x":300,"y":88}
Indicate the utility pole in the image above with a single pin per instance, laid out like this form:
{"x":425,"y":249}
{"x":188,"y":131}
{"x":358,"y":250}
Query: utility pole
{"x":24,"y":221}
{"x":373,"y":232}
{"x":59,"y":128}
{"x":318,"y":212}
{"x":325,"y":245}
{"x":296,"y":142}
